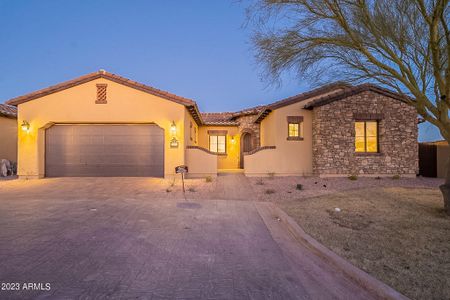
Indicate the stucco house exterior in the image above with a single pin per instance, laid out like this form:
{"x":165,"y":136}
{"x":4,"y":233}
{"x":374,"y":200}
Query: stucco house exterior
{"x":8,"y":132}
{"x":102,"y":124}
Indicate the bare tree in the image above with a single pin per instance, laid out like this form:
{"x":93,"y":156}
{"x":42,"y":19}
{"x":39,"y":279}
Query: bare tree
{"x":401,"y":44}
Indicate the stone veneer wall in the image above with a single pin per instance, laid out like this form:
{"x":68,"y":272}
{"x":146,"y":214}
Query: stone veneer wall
{"x":334,"y":137}
{"x":247,"y":122}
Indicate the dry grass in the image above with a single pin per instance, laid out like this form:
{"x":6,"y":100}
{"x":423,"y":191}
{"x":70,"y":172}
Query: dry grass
{"x":399,"y":235}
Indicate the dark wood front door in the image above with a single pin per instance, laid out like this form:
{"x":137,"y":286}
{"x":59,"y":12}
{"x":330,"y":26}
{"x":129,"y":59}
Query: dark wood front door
{"x":246,"y":146}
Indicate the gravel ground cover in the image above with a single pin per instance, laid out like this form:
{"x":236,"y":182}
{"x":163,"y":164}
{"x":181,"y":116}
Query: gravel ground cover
{"x":400,"y":235}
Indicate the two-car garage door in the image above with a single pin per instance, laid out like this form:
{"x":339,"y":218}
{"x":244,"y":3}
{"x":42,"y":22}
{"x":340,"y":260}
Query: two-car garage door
{"x":104,"y":150}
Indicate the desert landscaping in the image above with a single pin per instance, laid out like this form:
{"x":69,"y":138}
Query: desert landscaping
{"x":393,"y":228}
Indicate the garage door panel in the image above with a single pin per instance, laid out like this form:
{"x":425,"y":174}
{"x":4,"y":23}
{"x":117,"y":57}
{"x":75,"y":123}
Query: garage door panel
{"x":104,"y":150}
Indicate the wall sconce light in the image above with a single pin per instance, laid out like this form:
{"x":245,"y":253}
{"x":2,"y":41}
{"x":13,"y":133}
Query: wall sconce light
{"x":25,"y":126}
{"x":232,"y":139}
{"x":173,"y":128}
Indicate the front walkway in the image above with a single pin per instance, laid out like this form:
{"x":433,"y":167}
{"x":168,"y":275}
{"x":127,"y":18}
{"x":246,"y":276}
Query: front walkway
{"x":233,"y":186}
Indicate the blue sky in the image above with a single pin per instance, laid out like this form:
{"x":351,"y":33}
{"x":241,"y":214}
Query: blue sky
{"x":198,"y":49}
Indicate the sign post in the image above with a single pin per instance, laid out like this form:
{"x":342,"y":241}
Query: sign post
{"x":182,"y":170}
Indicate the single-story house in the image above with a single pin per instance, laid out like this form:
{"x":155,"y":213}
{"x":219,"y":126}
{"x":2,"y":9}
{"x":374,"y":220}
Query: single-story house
{"x":102,"y":124}
{"x":8,"y":132}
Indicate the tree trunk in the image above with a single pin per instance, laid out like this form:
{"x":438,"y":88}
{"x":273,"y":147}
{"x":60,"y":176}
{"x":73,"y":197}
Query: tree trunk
{"x":445,"y":188}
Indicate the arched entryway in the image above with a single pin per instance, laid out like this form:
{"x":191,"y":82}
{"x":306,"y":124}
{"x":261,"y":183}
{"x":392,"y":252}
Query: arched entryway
{"x":247,"y":145}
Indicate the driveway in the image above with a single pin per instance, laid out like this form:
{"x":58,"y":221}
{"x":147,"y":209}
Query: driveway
{"x":104,"y":238}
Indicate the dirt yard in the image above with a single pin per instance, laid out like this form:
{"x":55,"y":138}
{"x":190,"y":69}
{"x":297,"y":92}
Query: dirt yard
{"x":399,"y":235}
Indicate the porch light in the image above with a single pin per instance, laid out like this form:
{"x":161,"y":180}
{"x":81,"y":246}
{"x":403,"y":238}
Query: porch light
{"x":25,"y":126}
{"x":173,"y":128}
{"x":232,"y":139}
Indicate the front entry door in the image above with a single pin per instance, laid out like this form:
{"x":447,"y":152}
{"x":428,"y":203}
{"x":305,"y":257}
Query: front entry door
{"x":246,"y":146}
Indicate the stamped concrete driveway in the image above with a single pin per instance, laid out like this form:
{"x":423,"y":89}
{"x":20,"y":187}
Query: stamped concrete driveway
{"x":98,"y":238}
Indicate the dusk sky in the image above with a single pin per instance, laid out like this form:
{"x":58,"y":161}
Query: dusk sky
{"x":197,"y":49}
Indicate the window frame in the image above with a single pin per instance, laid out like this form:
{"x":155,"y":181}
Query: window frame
{"x":296,"y":120}
{"x":217,"y":133}
{"x":377,"y":122}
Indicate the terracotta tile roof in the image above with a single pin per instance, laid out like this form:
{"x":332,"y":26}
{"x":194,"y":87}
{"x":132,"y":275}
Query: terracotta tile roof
{"x":8,"y":111}
{"x":353,"y":90}
{"x":300,"y":97}
{"x":229,"y":118}
{"x":331,"y":92}
{"x":190,"y":104}
{"x":219,"y":119}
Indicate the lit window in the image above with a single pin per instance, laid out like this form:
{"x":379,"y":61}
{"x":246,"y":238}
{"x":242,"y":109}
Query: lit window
{"x":366,"y":136}
{"x":295,"y":128}
{"x":217,"y":143}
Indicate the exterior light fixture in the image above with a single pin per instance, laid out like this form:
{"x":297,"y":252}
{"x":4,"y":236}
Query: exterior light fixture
{"x":25,"y":126}
{"x":173,"y":128}
{"x":232,"y":139}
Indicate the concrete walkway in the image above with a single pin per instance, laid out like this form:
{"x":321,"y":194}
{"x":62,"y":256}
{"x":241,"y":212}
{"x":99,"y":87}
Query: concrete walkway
{"x":233,"y":187}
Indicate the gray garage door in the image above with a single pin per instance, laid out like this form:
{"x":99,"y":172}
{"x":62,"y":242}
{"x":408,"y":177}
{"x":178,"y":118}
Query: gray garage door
{"x":104,"y":150}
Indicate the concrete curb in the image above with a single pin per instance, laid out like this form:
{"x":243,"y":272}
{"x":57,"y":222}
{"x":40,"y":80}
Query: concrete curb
{"x":368,"y":282}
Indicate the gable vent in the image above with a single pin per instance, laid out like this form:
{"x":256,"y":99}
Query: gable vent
{"x":101,"y":93}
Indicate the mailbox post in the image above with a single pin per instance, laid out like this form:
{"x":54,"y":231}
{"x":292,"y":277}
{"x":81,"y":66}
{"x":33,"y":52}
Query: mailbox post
{"x":183,"y":169}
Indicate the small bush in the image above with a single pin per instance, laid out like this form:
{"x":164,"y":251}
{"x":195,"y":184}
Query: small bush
{"x":353,"y":177}
{"x":260,"y":182}
{"x":299,"y":186}
{"x":271,"y":175}
{"x":269,"y":191}
{"x":191,"y":189}
{"x":208,"y":179}
{"x":168,"y":190}
{"x":396,"y":177}
{"x":378,"y":178}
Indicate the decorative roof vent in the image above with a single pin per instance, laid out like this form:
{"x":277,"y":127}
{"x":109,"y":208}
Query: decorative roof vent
{"x":101,"y":93}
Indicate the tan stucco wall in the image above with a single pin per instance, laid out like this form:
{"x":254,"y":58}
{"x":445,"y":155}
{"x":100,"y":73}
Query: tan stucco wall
{"x":292,"y":157}
{"x":442,"y":155}
{"x":201,"y":163}
{"x":8,"y":138}
{"x":190,"y":133}
{"x":77,"y":105}
{"x":231,"y":159}
{"x":262,"y":163}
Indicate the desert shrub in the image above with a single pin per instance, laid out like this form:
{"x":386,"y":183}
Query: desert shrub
{"x":396,"y":177}
{"x":208,"y":179}
{"x":260,"y":182}
{"x":271,"y":175}
{"x":299,"y":186}
{"x":353,"y":177}
{"x":168,"y":190}
{"x":269,"y":191}
{"x":378,"y":178}
{"x":191,"y":189}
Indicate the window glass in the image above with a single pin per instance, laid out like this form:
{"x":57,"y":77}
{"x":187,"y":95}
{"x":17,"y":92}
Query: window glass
{"x":293,"y":130}
{"x":213,"y":143}
{"x":217,"y":143}
{"x":366,"y":136}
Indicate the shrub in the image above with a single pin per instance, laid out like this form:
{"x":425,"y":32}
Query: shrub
{"x":271,"y":174}
{"x":299,"y":186}
{"x":208,"y":179}
{"x":269,"y":191}
{"x":378,"y":178}
{"x":260,"y":182}
{"x":191,"y":189}
{"x":353,"y":177}
{"x":168,"y":190}
{"x":396,"y":177}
